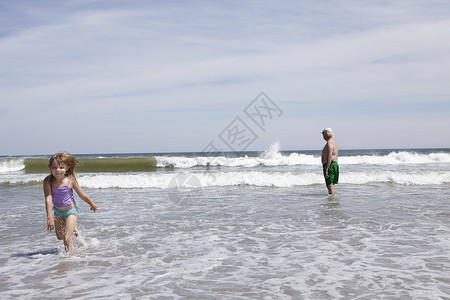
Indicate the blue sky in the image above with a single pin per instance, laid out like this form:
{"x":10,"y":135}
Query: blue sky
{"x":169,"y":76}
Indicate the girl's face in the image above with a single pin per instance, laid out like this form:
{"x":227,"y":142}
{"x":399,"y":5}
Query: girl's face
{"x":58,"y":169}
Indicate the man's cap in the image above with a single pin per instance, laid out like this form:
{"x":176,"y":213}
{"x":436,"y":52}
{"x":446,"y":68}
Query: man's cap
{"x":328,"y":131}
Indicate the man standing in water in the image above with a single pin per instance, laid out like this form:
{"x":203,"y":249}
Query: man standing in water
{"x":329,"y":160}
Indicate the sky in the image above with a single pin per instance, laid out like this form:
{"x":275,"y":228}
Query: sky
{"x":94,"y":76}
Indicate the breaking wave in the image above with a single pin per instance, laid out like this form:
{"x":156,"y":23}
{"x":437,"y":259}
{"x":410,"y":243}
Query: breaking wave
{"x":245,"y":178}
{"x":269,"y":158}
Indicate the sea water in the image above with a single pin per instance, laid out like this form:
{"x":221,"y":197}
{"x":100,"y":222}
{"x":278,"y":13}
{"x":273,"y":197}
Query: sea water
{"x":237,"y":226}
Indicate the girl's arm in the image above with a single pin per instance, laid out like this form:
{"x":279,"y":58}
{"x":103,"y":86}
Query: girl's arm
{"x":48,"y":204}
{"x":83,"y":195}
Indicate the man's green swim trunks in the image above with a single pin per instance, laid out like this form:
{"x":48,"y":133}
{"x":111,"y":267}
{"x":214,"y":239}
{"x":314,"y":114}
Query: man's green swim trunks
{"x":333,"y":173}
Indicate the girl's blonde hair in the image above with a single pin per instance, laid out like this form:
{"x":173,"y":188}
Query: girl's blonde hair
{"x":67,"y":159}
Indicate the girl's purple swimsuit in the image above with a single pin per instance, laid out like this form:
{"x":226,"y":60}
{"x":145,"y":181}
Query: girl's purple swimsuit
{"x":63,"y":197}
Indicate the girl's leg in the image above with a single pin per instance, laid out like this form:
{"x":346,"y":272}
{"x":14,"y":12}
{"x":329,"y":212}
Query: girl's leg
{"x":71,"y":223}
{"x":59,"y":226}
{"x":75,"y":231}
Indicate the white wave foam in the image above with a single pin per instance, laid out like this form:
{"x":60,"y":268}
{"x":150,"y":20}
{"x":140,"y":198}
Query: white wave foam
{"x":272,"y":157}
{"x":266,"y":159}
{"x":262,"y":179}
{"x":273,"y":152}
{"x":126,"y":180}
{"x":11,"y":165}
{"x":425,"y":178}
{"x":250,"y":178}
{"x":396,"y":158}
{"x":21,"y":179}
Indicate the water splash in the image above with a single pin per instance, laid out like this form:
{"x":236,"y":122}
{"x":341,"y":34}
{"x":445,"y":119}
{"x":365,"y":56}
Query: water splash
{"x":273,"y":152}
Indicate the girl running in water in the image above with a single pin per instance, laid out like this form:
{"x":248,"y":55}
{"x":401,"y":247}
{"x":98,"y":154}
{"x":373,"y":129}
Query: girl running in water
{"x":58,"y":190}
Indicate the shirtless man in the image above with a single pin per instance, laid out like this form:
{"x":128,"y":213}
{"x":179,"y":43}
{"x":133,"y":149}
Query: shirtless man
{"x":329,"y":160}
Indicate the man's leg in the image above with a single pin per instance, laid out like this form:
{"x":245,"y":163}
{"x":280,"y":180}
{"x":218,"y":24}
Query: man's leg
{"x":330,"y":189}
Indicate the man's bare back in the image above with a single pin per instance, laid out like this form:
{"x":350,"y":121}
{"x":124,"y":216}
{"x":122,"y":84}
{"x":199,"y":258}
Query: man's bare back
{"x":330,"y":146}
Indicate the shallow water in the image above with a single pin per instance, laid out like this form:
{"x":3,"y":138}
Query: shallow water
{"x":236,"y":242}
{"x":380,"y":240}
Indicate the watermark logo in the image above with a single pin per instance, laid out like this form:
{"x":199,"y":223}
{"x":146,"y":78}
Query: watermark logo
{"x":236,"y":137}
{"x":262,"y":110}
{"x":184,"y":188}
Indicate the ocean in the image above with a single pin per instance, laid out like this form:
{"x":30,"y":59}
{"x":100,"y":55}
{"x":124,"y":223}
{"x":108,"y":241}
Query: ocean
{"x":251,"y":225}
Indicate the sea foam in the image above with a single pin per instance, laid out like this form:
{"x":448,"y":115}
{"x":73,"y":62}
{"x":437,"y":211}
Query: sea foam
{"x":250,"y":178}
{"x":11,"y":165}
{"x":272,"y":158}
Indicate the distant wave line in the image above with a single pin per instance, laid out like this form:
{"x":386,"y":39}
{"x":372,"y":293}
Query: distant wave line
{"x":265,"y":159}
